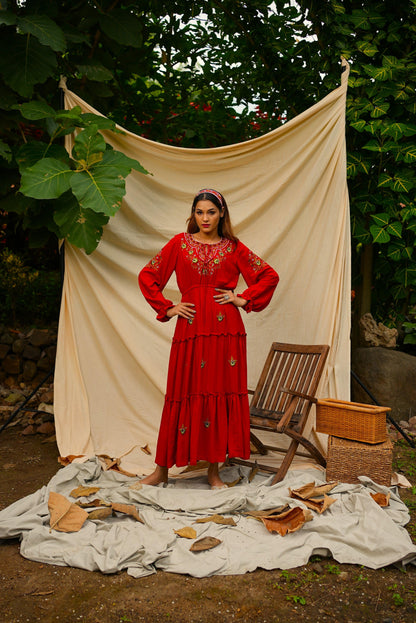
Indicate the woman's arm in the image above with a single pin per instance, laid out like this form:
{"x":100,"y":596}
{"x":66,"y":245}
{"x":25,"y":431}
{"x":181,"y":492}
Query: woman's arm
{"x":260,"y":278}
{"x":154,"y":277}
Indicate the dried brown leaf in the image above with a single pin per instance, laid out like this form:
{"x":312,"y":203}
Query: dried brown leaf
{"x":187,"y":532}
{"x":107,"y":460}
{"x":93,"y":503}
{"x":207,"y":542}
{"x":382,"y":499}
{"x":234,"y":482}
{"x":311,"y":491}
{"x":127,"y":509}
{"x":100,"y":513}
{"x":225,"y":521}
{"x":145,"y":449}
{"x":67,"y":460}
{"x":82,"y":491}
{"x":316,"y":504}
{"x":290,"y":521}
{"x":64,"y":515}
{"x":267,"y":512}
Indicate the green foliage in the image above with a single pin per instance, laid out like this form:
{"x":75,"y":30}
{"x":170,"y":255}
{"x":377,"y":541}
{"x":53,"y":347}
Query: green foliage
{"x":296,"y":599}
{"x":73,"y":196}
{"x":376,"y":38}
{"x":334,"y":569}
{"x":27,"y":295}
{"x":87,"y":186}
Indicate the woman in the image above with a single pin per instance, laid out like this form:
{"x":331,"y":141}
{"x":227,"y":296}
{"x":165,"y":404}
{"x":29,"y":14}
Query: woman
{"x":206,"y":412}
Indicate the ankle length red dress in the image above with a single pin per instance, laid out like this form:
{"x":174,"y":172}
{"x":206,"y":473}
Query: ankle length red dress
{"x":206,"y":410}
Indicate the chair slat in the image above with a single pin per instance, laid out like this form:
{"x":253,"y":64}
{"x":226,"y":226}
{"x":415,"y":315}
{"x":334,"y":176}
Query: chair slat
{"x":298,"y":368}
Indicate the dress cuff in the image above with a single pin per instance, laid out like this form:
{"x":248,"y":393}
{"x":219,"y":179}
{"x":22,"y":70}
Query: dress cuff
{"x":248,"y":307}
{"x":162,"y":317}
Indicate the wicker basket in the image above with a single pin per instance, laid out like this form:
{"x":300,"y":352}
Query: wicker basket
{"x":351,"y":420}
{"x":348,"y":459}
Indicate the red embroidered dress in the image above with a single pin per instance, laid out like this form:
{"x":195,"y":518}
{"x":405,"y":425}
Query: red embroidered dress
{"x":206,"y":413}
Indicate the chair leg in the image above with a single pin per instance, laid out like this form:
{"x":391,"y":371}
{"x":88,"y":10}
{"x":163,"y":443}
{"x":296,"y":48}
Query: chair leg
{"x":286,"y":462}
{"x":257,"y":443}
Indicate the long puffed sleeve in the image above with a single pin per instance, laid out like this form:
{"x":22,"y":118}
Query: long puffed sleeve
{"x":155,"y":275}
{"x":261,"y":279}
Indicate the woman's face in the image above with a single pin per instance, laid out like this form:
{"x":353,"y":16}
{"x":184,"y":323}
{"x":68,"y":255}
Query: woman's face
{"x":207,"y":216}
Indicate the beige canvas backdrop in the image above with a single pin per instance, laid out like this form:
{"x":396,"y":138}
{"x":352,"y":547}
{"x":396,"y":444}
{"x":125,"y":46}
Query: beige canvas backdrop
{"x":288,"y":200}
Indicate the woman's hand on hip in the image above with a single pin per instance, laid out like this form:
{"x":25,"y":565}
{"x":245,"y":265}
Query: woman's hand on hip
{"x":228,"y":296}
{"x":185,"y":310}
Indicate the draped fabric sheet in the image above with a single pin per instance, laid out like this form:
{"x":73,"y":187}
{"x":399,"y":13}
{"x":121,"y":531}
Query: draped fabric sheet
{"x":345,"y":530}
{"x":288,"y":201}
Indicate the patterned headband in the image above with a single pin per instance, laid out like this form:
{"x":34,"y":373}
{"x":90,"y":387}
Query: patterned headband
{"x":212,"y":192}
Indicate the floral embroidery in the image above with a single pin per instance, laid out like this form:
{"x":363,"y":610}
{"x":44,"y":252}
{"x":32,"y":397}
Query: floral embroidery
{"x":255,"y":262}
{"x":207,"y":423}
{"x":156,"y":261}
{"x":190,"y":320}
{"x":182,"y":429}
{"x":203,"y":363}
{"x":206,"y":258}
{"x":232,"y":361}
{"x":220,"y":317}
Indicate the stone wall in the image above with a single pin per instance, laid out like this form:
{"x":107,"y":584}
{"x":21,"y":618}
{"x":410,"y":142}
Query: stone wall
{"x":26,"y":357}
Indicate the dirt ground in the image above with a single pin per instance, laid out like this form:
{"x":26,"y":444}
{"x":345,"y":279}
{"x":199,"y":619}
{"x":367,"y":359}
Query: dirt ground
{"x":322,"y":590}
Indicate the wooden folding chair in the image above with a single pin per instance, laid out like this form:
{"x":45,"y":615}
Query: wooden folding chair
{"x":283,"y":399}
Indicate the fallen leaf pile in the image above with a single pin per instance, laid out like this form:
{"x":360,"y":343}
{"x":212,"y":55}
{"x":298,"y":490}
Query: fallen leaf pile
{"x":285,"y":519}
{"x":314,"y":497}
{"x":288,"y":521}
{"x":67,"y":516}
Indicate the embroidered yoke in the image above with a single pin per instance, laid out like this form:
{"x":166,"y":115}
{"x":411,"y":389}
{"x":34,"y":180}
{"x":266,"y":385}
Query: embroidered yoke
{"x":206,"y":412}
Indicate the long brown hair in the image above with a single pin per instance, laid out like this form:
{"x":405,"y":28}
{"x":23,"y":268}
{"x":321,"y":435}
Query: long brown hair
{"x":225,"y":229}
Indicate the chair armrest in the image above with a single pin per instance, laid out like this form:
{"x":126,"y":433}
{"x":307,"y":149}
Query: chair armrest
{"x":251,"y":392}
{"x":299,"y":394}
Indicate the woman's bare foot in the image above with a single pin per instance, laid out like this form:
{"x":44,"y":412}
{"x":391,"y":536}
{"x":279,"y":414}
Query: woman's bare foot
{"x":214,"y":479}
{"x":155,"y":478}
